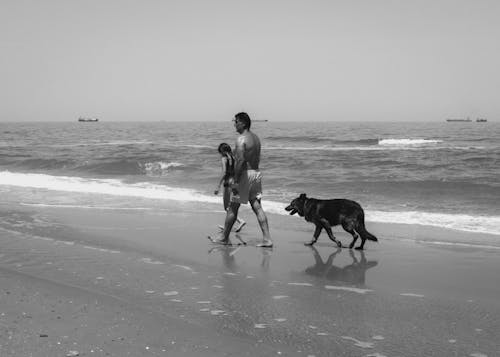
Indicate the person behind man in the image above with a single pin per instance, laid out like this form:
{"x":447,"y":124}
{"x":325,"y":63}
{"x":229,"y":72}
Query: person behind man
{"x":227,"y":162}
{"x":247,"y":185}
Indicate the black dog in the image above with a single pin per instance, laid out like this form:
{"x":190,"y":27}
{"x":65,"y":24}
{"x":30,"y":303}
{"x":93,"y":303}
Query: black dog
{"x":328,"y":213}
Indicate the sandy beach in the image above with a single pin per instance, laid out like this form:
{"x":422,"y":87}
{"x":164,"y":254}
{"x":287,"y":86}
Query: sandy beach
{"x":85,"y":282}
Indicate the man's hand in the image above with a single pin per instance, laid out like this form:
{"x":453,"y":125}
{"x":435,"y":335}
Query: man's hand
{"x":235,"y":188}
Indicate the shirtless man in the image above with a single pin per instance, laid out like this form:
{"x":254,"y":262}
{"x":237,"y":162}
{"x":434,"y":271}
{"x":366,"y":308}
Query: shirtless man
{"x":247,"y":185}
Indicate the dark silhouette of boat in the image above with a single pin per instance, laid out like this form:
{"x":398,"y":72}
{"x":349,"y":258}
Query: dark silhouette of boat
{"x":481,"y":120}
{"x":459,"y":120}
{"x":87,"y":119}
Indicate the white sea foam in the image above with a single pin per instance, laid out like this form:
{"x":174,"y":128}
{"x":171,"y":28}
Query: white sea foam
{"x":404,"y":142}
{"x":217,"y":312}
{"x":260,"y":326}
{"x":185,"y":267}
{"x":159,"y":168}
{"x":103,"y":186}
{"x":151,"y":261}
{"x":354,"y":290}
{"x":412,"y":295}
{"x":301,"y":284}
{"x":362,"y":148}
{"x":85,"y":206}
{"x":460,"y":222}
{"x":359,"y":343}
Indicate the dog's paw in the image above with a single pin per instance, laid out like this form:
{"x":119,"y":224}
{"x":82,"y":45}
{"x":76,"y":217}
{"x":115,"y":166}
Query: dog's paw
{"x":359,"y":248}
{"x":309,"y":244}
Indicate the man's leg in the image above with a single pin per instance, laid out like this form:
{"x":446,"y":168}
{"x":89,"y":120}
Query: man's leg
{"x":264,"y":226}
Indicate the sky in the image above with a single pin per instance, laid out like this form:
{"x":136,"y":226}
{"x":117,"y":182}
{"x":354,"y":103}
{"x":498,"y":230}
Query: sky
{"x":281,"y":60}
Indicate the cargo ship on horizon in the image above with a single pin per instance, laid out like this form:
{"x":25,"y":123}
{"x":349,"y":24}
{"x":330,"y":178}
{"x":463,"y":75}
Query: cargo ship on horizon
{"x":87,"y":119}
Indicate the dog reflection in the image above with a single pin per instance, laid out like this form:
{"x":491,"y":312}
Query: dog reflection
{"x":353,"y":273}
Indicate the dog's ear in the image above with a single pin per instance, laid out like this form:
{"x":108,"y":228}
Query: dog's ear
{"x":302,"y":195}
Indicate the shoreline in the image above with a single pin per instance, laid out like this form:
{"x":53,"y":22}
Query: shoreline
{"x":290,"y":299}
{"x":117,"y":190}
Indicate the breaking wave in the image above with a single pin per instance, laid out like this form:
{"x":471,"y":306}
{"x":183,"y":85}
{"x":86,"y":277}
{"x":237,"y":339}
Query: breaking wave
{"x":459,"y":222}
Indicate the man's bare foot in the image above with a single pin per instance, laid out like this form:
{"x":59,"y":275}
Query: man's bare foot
{"x":242,"y":224}
{"x":265,"y":244}
{"x":219,"y":241}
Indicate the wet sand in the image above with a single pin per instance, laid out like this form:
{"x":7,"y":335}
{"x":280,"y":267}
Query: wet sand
{"x":148,"y":282}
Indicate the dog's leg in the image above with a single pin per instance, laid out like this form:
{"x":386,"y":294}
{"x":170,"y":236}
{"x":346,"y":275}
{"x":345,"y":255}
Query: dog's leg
{"x":348,"y":227}
{"x":316,"y":234}
{"x":361,"y":247}
{"x":328,"y":230}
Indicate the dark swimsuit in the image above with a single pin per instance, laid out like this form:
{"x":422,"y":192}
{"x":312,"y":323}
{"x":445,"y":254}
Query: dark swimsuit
{"x":229,"y":170}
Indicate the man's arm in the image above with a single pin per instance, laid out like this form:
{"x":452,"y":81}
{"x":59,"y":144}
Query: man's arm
{"x":239,"y":156}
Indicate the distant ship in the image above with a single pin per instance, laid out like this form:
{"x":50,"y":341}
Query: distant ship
{"x":88,"y":119}
{"x":459,"y":119}
{"x":481,"y":120}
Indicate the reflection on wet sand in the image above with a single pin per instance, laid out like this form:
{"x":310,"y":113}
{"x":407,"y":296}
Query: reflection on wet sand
{"x":244,"y":296}
{"x":353,"y":274}
{"x":228,"y":253}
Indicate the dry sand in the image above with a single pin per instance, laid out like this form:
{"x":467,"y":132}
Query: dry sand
{"x":139,"y":283}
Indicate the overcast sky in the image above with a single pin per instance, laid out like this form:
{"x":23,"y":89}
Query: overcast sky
{"x":198,"y":60}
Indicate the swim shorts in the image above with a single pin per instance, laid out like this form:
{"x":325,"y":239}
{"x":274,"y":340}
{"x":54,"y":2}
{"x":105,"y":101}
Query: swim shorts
{"x":249,"y":188}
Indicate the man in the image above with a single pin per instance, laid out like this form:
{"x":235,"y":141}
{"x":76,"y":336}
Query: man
{"x":247,"y":185}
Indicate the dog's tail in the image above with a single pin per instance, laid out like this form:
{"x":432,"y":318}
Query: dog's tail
{"x":362,"y":230}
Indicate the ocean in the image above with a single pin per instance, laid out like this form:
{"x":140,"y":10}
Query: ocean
{"x":438,"y":174}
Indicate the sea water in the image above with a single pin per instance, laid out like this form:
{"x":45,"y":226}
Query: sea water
{"x":437,"y":174}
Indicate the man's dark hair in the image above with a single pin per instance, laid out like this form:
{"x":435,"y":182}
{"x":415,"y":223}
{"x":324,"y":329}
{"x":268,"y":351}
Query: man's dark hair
{"x":244,"y":118}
